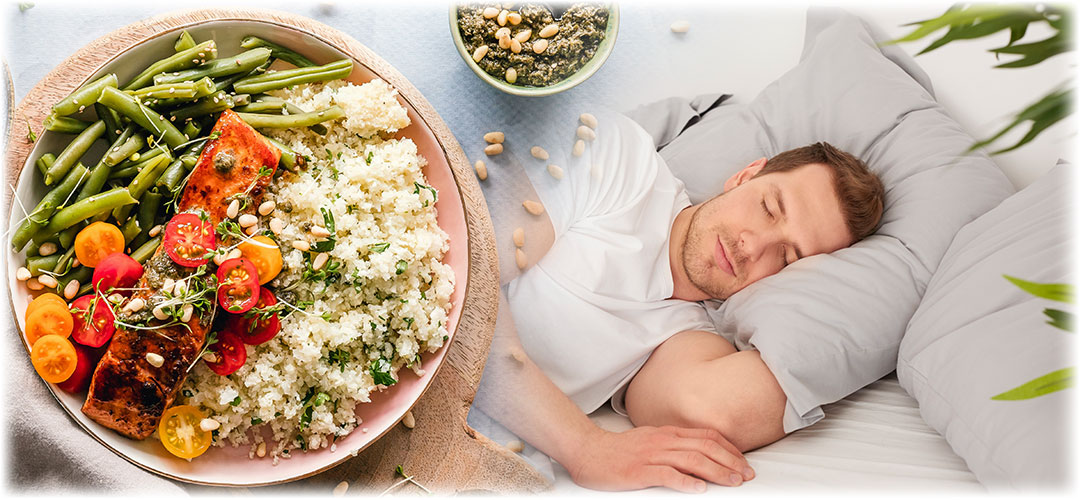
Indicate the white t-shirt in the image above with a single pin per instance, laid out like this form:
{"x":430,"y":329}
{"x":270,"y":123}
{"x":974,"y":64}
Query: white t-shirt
{"x":591,"y":310}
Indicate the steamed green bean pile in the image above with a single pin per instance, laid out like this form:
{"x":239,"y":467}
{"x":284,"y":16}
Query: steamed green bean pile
{"x":155,"y":126}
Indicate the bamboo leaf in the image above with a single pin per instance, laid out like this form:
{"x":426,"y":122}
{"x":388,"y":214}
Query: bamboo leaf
{"x":1046,"y":384}
{"x":1060,"y":292}
{"x":1016,"y":32}
{"x":956,"y":15}
{"x":1059,"y":319}
{"x":1035,"y":52}
{"x":1047,"y":111}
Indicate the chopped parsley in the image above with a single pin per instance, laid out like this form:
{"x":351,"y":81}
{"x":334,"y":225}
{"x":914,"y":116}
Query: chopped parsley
{"x":311,"y":400}
{"x":380,"y":372}
{"x":370,"y":156}
{"x":339,"y":357}
{"x":327,"y":244}
{"x":379,"y":247}
{"x":401,"y":267}
{"x":214,"y":135}
{"x":434,"y":193}
{"x":30,"y":135}
{"x":235,"y":402}
{"x":256,"y":420}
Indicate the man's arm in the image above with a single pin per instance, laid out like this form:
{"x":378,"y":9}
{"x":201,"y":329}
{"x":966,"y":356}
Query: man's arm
{"x":698,"y":379}
{"x":516,"y":393}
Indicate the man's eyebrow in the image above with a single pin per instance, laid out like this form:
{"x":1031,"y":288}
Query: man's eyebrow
{"x":780,"y":203}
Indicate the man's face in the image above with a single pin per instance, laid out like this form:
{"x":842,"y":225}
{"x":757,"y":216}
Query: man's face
{"x":761,"y":224}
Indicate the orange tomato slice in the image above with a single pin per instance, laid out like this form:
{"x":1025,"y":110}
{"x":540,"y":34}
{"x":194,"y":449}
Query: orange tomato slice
{"x":43,"y":299}
{"x":265,"y":254}
{"x":49,"y":318}
{"x":54,"y":358}
{"x":97,"y":241}
{"x":181,"y":433}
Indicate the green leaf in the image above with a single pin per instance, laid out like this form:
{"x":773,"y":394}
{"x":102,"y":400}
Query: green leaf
{"x":1044,"y":113}
{"x":380,"y":372}
{"x":1051,"y":382}
{"x":1060,"y":292}
{"x":378,"y":247}
{"x":960,"y":18}
{"x":1059,"y":319}
{"x":1034,"y":52}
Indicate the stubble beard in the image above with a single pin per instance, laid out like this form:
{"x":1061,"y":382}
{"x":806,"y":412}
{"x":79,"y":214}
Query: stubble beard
{"x":697,"y":253}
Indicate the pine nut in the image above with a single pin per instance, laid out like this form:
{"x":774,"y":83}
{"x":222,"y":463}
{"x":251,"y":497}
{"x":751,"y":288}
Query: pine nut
{"x":137,"y":304}
{"x":319,"y":232}
{"x":301,"y":245}
{"x":23,"y":274}
{"x":267,"y":207}
{"x":34,"y":284}
{"x":523,"y":35}
{"x":189,"y":310}
{"x":168,"y":285}
{"x":261,"y":450}
{"x":480,"y":52}
{"x":586,"y":133}
{"x":515,"y":46}
{"x":341,"y":488}
{"x":533,"y":207}
{"x":518,"y":355}
{"x":504,"y":42}
{"x":502,"y":17}
{"x":519,"y":237}
{"x":511,"y":75}
{"x":520,"y":258}
{"x":579,"y":148}
{"x":234,"y":254}
{"x":320,"y":261}
{"x":180,"y":287}
{"x":247,"y":220}
{"x":156,"y":230}
{"x":210,"y":357}
{"x":48,"y":281}
{"x":233,"y":210}
{"x":116,"y":298}
{"x":409,"y":421}
{"x":549,"y":30}
{"x":490,"y":12}
{"x":250,"y":231}
{"x":155,"y":359}
{"x":502,"y":33}
{"x":219,"y":259}
{"x":71,"y":290}
{"x":514,"y":18}
{"x":515,"y":446}
{"x":588,"y":120}
{"x":277,"y":225}
{"x":209,"y":425}
{"x":46,"y":249}
{"x":75,"y":262}
{"x":555,"y":171}
{"x":494,"y":149}
{"x":481,"y":170}
{"x":539,"y":153}
{"x":540,"y":46}
{"x":494,"y":137}
{"x":680,"y":26}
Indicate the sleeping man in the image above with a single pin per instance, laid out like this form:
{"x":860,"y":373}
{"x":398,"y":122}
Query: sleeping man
{"x":612,"y":311}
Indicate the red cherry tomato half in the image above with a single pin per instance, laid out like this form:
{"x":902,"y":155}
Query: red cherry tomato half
{"x":230,"y":354}
{"x":84,"y":370}
{"x":93,"y":321}
{"x":250,"y":326}
{"x":117,"y":270}
{"x":188,"y":239}
{"x":238,"y":285}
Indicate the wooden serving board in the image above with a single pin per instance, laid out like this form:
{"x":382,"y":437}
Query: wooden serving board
{"x":441,"y":452}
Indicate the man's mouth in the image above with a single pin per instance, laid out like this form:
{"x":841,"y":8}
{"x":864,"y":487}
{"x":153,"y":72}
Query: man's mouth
{"x":722,"y":258}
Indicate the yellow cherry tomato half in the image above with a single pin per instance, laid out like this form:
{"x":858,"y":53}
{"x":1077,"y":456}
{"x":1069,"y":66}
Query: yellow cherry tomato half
{"x":97,"y":241}
{"x":44,"y":299}
{"x":181,"y":433}
{"x":54,"y":358}
{"x":265,"y":254}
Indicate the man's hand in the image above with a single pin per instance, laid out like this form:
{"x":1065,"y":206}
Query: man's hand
{"x":674,"y":457}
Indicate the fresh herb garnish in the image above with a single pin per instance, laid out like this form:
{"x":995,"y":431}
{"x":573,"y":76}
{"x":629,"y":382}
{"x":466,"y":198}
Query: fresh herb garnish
{"x":256,"y":421}
{"x":311,"y":400}
{"x":401,"y":267}
{"x":235,"y":402}
{"x":214,"y":135}
{"x":380,"y":372}
{"x":434,"y":193}
{"x":30,"y":135}
{"x":379,"y":247}
{"x":327,"y":244}
{"x":339,"y":357}
{"x":370,"y":156}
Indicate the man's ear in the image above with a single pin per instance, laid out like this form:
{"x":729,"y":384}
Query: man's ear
{"x":745,"y":174}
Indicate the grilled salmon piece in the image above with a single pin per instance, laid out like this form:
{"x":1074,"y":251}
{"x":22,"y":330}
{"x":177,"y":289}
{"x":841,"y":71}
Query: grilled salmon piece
{"x":127,"y":393}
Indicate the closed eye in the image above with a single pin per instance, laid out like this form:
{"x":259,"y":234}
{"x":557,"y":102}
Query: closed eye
{"x":766,"y":209}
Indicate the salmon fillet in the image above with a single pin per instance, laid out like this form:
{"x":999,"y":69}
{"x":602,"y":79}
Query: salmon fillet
{"x":127,"y":393}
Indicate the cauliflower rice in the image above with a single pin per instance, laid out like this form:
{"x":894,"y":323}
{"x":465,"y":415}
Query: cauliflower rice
{"x":388,"y":304}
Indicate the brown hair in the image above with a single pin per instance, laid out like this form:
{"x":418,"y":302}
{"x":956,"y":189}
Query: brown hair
{"x":861,"y":194}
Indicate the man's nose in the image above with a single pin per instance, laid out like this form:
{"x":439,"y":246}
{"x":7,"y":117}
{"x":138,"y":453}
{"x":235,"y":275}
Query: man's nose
{"x":756,"y":243}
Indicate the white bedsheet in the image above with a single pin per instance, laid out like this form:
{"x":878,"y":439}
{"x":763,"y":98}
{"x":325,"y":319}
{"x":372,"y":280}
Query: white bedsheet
{"x":874,"y":439}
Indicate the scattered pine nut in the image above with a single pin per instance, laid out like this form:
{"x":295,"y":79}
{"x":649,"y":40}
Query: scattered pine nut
{"x":46,"y":249}
{"x":586,"y":133}
{"x":523,"y":35}
{"x":533,"y":207}
{"x":481,"y":170}
{"x":555,"y":171}
{"x":519,"y":237}
{"x":504,"y":42}
{"x":588,"y":120}
{"x":502,"y":33}
{"x":511,"y":75}
{"x":71,"y":290}
{"x":234,"y":254}
{"x":156,"y":230}
{"x":502,"y":18}
{"x":518,"y":355}
{"x":189,"y":310}
{"x":277,"y":225}
{"x":34,"y":284}
{"x":155,"y":359}
{"x":409,"y":421}
{"x":168,"y":285}
{"x":680,"y":26}
{"x":75,"y":262}
{"x":301,"y":245}
{"x":137,"y":304}
{"x":480,"y":52}
{"x":579,"y":147}
{"x":539,"y":153}
{"x":514,"y":18}
{"x":247,"y":220}
{"x":521,"y":259}
{"x":180,"y":287}
{"x":549,"y":30}
{"x":494,"y":137}
{"x":320,"y":232}
{"x":494,"y":149}
{"x":515,"y":446}
{"x":48,"y":281}
{"x":320,"y":261}
{"x":219,"y":259}
{"x":340,"y":489}
{"x":267,"y":207}
{"x":250,"y":231}
{"x":515,"y":46}
{"x":23,"y":274}
{"x":540,"y":46}
{"x":116,"y":298}
{"x":261,"y":450}
{"x":210,"y":357}
{"x":490,"y":12}
{"x":233,"y":210}
{"x":209,"y":424}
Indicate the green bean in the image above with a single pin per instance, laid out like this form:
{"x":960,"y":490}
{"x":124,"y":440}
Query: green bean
{"x":143,"y":157}
{"x":149,"y":205}
{"x":47,"y":207}
{"x":290,"y":121}
{"x":277,"y":51}
{"x":227,"y":83}
{"x":175,"y":89}
{"x":287,"y":78}
{"x":289,"y":107}
{"x":172,"y":176}
{"x":67,"y":236}
{"x":64,"y":124}
{"x":84,"y":209}
{"x":192,"y":128}
{"x":63,"y":264}
{"x":117,"y":154}
{"x":201,"y":88}
{"x":111,"y":119}
{"x":73,"y":152}
{"x":289,"y":158}
{"x":130,"y":230}
{"x":84,"y":275}
{"x":32,"y":249}
{"x":184,"y":42}
{"x":264,"y":107}
{"x":44,"y":162}
{"x":146,"y":250}
{"x":133,"y":169}
{"x":211,"y":104}
{"x":37,"y":265}
{"x":240,"y":63}
{"x":145,"y":117}
{"x":85,"y":96}
{"x":177,"y":62}
{"x":146,"y":178}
